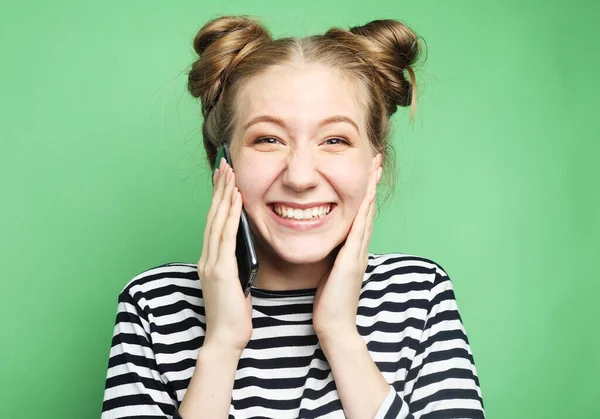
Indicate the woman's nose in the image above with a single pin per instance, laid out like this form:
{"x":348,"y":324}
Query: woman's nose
{"x":301,"y":171}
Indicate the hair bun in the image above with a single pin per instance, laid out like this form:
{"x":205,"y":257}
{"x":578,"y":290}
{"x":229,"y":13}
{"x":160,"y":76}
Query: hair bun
{"x":221,"y":44}
{"x":400,"y":50}
{"x":389,"y":47}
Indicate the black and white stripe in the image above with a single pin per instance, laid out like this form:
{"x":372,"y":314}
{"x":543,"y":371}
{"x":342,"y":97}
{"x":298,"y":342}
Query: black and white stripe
{"x":407,"y":316}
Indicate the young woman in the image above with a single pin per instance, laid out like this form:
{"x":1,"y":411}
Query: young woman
{"x":329,"y":329}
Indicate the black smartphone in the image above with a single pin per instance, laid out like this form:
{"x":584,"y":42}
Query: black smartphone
{"x":244,"y":245}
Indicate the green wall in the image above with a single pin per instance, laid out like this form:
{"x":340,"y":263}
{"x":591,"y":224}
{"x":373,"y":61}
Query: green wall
{"x":103,"y":176}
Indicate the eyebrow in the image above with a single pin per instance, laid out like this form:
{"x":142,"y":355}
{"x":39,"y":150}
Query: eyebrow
{"x":281,"y":122}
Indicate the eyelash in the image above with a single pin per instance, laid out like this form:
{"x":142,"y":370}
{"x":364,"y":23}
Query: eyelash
{"x":342,"y":140}
{"x":260,"y":140}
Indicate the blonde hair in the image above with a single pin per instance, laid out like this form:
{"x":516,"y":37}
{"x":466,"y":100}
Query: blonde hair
{"x":232,"y":49}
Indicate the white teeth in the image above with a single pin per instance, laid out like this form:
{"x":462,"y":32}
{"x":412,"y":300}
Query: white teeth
{"x":298,"y":214}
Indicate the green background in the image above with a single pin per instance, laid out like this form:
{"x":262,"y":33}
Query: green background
{"x":103,"y":176}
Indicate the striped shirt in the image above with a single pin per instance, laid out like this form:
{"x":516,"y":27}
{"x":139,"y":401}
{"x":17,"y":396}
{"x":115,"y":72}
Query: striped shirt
{"x":407,"y":316}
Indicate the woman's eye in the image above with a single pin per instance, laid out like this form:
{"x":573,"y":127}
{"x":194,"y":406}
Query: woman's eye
{"x":336,"y":141}
{"x":266,"y":140}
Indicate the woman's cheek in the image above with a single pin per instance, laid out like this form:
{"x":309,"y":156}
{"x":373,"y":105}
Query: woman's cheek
{"x":247,"y":186}
{"x":349,"y":179}
{"x":253,"y":178}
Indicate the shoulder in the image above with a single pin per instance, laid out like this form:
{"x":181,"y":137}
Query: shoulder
{"x":161,"y":284}
{"x":403,"y":271}
{"x":405,"y":283}
{"x":402,"y":264}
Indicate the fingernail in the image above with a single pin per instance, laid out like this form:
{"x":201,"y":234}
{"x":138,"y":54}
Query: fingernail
{"x":229,"y":173}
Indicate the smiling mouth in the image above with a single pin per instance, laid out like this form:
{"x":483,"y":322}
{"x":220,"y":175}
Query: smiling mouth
{"x":301,"y":214}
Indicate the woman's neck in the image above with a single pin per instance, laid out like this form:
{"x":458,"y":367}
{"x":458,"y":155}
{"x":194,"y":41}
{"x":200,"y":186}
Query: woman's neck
{"x":277,"y":274}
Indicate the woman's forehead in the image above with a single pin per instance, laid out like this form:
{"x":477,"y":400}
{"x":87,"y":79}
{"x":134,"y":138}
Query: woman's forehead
{"x":308,"y":93}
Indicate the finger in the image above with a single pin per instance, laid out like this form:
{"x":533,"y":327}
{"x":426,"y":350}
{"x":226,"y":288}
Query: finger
{"x":218,"y":172}
{"x":365,"y":214}
{"x":231,"y":226}
{"x":366,"y":239}
{"x":216,"y":198}
{"x":371,"y":216}
{"x":215,"y":178}
{"x":373,"y":202}
{"x":358,"y":225}
{"x":218,"y":191}
{"x":215,"y":211}
{"x":221,"y":215}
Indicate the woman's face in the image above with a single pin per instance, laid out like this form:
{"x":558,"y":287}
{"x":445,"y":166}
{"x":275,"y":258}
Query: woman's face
{"x":302,"y":159}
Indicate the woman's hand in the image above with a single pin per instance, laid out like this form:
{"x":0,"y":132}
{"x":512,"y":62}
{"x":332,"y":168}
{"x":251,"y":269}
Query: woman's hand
{"x":336,"y":299}
{"x":228,"y":312}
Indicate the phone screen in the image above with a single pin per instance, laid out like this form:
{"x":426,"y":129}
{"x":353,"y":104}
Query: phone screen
{"x":245,"y":253}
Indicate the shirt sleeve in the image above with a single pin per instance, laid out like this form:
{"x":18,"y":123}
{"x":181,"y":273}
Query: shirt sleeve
{"x":442,"y":381}
{"x":134,"y":387}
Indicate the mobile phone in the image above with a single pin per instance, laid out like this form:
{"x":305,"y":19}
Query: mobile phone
{"x":245,"y":253}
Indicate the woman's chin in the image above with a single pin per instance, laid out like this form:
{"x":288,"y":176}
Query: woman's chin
{"x":301,"y":246}
{"x":303,"y":259}
{"x":303,"y":255}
